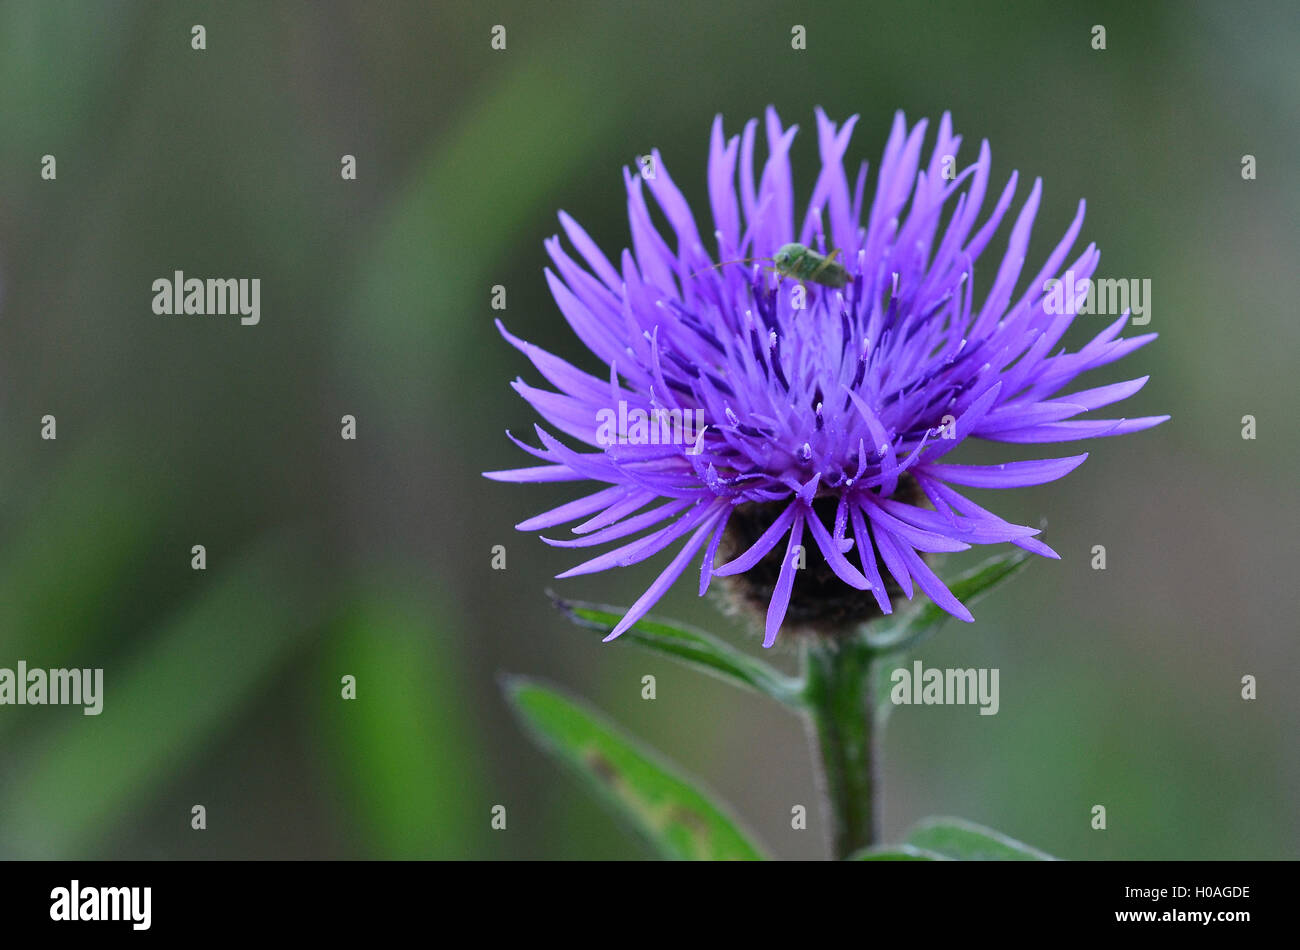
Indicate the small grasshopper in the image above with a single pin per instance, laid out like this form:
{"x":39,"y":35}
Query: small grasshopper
{"x":803,"y":264}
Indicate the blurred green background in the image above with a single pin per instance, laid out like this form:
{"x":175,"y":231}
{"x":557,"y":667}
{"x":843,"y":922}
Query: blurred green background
{"x":372,"y":558}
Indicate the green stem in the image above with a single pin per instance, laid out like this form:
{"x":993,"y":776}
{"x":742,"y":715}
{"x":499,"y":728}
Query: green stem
{"x":838,"y":690}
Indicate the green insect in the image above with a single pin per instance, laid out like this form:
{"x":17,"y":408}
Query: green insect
{"x":802,"y":263}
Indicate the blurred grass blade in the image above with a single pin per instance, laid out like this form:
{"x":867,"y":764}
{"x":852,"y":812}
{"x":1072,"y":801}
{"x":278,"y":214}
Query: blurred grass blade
{"x":678,"y":821}
{"x":75,"y":543}
{"x":66,"y":790}
{"x":969,"y":587}
{"x":394,"y":746}
{"x":688,"y":645}
{"x":964,"y":840}
{"x":453,"y":219}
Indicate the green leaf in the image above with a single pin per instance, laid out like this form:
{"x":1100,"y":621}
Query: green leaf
{"x":964,"y":840}
{"x":969,"y":587}
{"x":689,"y":645}
{"x":897,"y":852}
{"x":678,"y":821}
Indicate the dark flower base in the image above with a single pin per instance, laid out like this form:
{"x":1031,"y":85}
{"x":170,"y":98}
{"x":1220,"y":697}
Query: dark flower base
{"x":820,"y":604}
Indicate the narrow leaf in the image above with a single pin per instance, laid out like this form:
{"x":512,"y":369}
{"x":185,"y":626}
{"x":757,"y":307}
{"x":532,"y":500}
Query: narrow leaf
{"x":678,"y":821}
{"x":688,"y":645}
{"x":963,"y":840}
{"x":969,"y":587}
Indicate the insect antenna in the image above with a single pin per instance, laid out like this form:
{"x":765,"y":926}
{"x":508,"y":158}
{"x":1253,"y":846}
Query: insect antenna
{"x":739,"y":260}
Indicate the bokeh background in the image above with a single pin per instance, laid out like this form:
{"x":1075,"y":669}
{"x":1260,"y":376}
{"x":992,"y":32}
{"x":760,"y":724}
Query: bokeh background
{"x":372,"y":558}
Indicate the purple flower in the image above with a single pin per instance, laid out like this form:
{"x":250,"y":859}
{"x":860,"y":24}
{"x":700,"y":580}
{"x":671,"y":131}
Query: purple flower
{"x":742,"y":404}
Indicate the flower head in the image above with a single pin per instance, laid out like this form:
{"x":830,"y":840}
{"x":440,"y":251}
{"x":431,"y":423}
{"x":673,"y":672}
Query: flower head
{"x":797,"y":404}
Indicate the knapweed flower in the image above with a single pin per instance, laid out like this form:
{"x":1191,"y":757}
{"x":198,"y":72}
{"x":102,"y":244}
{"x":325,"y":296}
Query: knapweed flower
{"x":744,"y":408}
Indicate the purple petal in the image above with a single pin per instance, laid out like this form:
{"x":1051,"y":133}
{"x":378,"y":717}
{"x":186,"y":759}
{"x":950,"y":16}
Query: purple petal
{"x":784,"y":582}
{"x":1008,"y":474}
{"x":665,"y":580}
